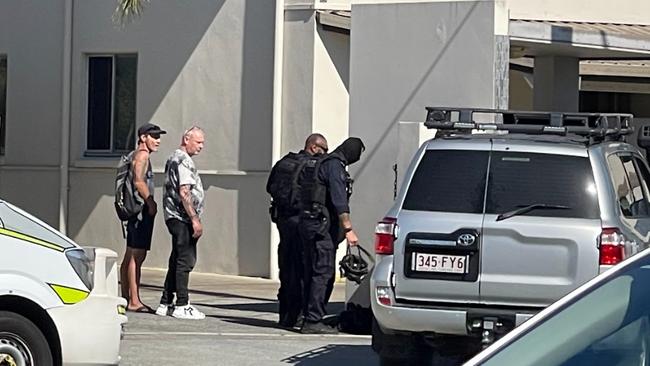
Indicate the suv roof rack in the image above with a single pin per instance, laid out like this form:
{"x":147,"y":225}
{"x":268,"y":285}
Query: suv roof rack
{"x":596,"y":126}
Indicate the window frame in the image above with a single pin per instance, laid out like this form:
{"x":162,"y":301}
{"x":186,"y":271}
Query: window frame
{"x":106,"y":152}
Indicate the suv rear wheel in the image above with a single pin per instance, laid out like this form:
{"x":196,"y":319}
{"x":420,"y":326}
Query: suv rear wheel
{"x":21,"y":342}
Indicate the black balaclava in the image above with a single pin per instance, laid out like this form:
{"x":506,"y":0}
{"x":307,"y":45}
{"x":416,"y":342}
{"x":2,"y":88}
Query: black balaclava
{"x":350,"y":150}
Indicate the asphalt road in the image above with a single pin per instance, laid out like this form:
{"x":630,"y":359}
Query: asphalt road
{"x":240,"y":329}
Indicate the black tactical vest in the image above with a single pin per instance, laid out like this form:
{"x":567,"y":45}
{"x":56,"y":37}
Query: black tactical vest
{"x":313,"y":191}
{"x":283,"y":183}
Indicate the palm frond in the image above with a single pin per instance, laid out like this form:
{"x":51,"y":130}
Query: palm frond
{"x":127,"y":10}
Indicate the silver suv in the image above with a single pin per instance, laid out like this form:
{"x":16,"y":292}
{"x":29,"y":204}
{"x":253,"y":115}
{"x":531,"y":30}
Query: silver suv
{"x":495,"y":221}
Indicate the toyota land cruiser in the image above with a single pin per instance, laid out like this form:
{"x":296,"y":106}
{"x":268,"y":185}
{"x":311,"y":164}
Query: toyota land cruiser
{"x":497,"y":220}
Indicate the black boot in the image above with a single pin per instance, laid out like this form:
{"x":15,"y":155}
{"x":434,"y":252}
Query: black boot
{"x":317,"y":328}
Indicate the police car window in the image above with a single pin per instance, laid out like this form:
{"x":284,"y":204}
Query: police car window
{"x":448,"y":181}
{"x":519,"y":179}
{"x":20,"y":222}
{"x":608,"y":325}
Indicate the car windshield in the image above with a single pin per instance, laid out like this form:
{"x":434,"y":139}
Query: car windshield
{"x":20,"y":222}
{"x":609,"y":325}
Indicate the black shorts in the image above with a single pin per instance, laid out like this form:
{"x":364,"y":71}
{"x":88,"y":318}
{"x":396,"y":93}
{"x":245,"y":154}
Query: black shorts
{"x":139,"y":231}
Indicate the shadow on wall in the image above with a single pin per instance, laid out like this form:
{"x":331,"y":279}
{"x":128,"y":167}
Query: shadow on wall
{"x":256,"y":124}
{"x":250,"y":249}
{"x":187,"y":25}
{"x":237,"y":239}
{"x":236,"y":222}
{"x":357,"y":170}
{"x":341,"y":60}
{"x":91,"y":190}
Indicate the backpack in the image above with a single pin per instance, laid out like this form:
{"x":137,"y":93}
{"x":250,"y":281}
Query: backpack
{"x":128,"y":203}
{"x":283,"y":183}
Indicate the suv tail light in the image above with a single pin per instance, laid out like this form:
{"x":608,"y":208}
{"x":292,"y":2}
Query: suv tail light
{"x":385,"y":235}
{"x":612,"y":246}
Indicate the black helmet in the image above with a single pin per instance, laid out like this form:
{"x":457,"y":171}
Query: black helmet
{"x":353,"y":266}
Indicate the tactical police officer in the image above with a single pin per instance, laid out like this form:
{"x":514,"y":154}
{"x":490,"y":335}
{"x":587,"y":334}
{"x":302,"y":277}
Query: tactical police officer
{"x":285,"y":209}
{"x":324,"y":222}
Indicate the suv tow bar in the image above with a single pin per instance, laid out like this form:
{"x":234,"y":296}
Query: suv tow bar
{"x":489,"y":327}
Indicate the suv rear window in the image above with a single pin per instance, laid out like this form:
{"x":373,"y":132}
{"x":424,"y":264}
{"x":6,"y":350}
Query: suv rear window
{"x":521,"y":179}
{"x":449,"y":181}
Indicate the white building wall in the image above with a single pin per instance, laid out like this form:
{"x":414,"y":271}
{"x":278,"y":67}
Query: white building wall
{"x":31,"y":36}
{"x":405,"y":57}
{"x":298,"y":78}
{"x":331,"y":85}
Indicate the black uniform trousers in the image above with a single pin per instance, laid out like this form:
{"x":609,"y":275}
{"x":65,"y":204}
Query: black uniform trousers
{"x":319,"y":263}
{"x":290,"y":264}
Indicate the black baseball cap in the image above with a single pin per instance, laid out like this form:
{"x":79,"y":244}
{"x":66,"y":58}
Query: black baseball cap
{"x":150,"y":129}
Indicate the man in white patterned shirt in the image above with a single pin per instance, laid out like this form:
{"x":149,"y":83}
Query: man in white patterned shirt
{"x":183,"y":204}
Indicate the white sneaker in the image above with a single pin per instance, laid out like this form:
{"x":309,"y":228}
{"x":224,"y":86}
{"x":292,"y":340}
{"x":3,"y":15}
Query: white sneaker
{"x":162,"y":310}
{"x":187,"y":312}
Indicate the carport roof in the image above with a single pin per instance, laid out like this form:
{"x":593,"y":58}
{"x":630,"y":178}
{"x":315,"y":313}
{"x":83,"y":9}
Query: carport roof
{"x":543,"y":37}
{"x":579,"y":39}
{"x":340,"y":19}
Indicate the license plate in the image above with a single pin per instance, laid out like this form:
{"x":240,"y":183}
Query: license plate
{"x":425,"y":262}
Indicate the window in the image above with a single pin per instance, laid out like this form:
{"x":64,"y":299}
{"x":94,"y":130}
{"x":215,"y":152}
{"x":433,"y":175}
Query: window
{"x":111,"y":103}
{"x":448,"y":181}
{"x":3,"y":103}
{"x":629,"y":176}
{"x":521,"y":179}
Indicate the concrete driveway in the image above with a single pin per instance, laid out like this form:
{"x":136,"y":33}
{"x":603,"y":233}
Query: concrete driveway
{"x":240,"y":329}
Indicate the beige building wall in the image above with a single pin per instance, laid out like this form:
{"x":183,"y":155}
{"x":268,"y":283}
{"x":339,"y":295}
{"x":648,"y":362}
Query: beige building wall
{"x":202,"y":62}
{"x":210,"y":62}
{"x":29,"y":175}
{"x":207,"y":63}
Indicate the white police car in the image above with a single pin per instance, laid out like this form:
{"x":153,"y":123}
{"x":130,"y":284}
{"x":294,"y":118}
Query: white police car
{"x":58,"y":302}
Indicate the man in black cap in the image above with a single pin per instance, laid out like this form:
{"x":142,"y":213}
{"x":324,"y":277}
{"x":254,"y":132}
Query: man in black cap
{"x":140,"y":228}
{"x":325,"y":221}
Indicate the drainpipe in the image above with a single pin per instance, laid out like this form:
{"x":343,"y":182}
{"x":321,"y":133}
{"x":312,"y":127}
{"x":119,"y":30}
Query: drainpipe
{"x":276,"y":148}
{"x":65,"y":118}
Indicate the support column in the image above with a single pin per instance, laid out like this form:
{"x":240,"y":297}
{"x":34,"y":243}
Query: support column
{"x":556,"y":83}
